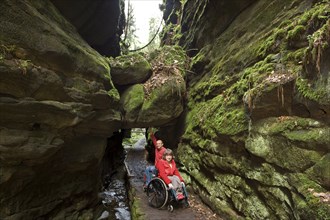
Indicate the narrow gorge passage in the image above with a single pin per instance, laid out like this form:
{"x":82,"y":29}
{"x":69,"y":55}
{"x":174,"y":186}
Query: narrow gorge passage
{"x":239,"y":89}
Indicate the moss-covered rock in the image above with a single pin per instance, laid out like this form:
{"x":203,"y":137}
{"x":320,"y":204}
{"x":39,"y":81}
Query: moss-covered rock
{"x":136,"y":212}
{"x":132,"y":100}
{"x":58,"y":106}
{"x":258,"y":105}
{"x":320,"y":172}
{"x":307,"y":204}
{"x":130,"y":69}
{"x":290,"y":154}
{"x":161,"y":98}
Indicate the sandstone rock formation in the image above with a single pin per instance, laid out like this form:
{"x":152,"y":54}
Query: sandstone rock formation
{"x":256,"y":136}
{"x":130,"y":69}
{"x":100,"y":23}
{"x":58,"y":106}
{"x":256,"y":125}
{"x":161,"y":98}
{"x":55,"y":114}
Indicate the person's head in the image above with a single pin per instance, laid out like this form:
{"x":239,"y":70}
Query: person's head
{"x":159,"y":144}
{"x":168,"y":155}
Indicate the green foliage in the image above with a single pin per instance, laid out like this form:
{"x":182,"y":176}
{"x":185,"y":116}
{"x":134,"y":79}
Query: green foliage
{"x":171,"y":34}
{"x":136,"y":135}
{"x":154,"y":37}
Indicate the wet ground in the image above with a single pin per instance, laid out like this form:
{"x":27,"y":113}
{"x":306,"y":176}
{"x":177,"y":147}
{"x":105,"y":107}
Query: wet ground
{"x":115,"y":199}
{"x":136,"y":165}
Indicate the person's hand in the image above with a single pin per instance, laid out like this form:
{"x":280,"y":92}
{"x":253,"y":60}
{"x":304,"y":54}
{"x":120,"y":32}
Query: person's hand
{"x":170,"y":186}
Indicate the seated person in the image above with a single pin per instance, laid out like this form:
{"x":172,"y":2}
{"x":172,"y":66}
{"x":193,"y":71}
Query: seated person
{"x":170,"y":174}
{"x":159,"y":150}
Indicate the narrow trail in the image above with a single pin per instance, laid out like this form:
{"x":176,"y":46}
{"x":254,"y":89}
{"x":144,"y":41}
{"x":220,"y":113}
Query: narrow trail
{"x":136,"y":165}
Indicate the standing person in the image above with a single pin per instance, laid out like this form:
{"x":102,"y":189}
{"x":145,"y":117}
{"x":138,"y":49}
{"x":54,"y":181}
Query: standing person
{"x":170,"y":174}
{"x":159,"y":150}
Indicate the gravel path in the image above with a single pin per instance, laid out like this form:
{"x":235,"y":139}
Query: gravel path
{"x":136,"y":165}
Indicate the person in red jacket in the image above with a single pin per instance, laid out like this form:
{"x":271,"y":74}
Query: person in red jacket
{"x":159,"y":150}
{"x":170,"y":174}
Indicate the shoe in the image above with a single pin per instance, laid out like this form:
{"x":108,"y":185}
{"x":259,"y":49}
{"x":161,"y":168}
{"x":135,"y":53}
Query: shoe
{"x":180,"y":196}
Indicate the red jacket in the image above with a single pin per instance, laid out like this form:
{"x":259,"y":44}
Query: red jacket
{"x":158,"y":153}
{"x":165,"y":169}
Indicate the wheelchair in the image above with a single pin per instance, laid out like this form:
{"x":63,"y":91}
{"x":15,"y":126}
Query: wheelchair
{"x":159,"y":195}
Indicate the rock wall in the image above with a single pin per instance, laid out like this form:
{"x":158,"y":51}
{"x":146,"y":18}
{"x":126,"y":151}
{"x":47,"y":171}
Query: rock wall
{"x":58,"y":108}
{"x":100,"y":23}
{"x":56,"y":98}
{"x":256,"y":138}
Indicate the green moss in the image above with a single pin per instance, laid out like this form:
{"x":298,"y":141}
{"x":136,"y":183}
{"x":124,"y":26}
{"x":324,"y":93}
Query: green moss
{"x":69,"y":52}
{"x":114,"y":95}
{"x":214,"y":117}
{"x":205,"y":90}
{"x":271,"y":126}
{"x":170,"y":90}
{"x":319,"y":135}
{"x":309,"y":207}
{"x":6,"y":49}
{"x":303,"y":146}
{"x":295,"y":56}
{"x":321,"y":171}
{"x":131,"y":62}
{"x":132,"y":100}
{"x":17,"y":54}
{"x":296,"y":33}
{"x":135,"y":206}
{"x":307,"y":91}
{"x":284,"y":154}
{"x":268,"y":45}
{"x":293,"y":30}
{"x":169,"y":55}
{"x":198,"y":58}
{"x":176,"y":34}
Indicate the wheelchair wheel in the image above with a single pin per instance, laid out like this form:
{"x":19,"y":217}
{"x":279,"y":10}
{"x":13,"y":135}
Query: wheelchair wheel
{"x":157,"y":193}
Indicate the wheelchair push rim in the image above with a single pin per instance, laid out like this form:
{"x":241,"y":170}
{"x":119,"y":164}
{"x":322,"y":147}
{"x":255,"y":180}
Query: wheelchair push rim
{"x":157,"y":193}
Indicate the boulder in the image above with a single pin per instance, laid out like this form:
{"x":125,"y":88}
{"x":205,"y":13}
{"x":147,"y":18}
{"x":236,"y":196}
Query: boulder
{"x":161,"y":98}
{"x":130,"y":69}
